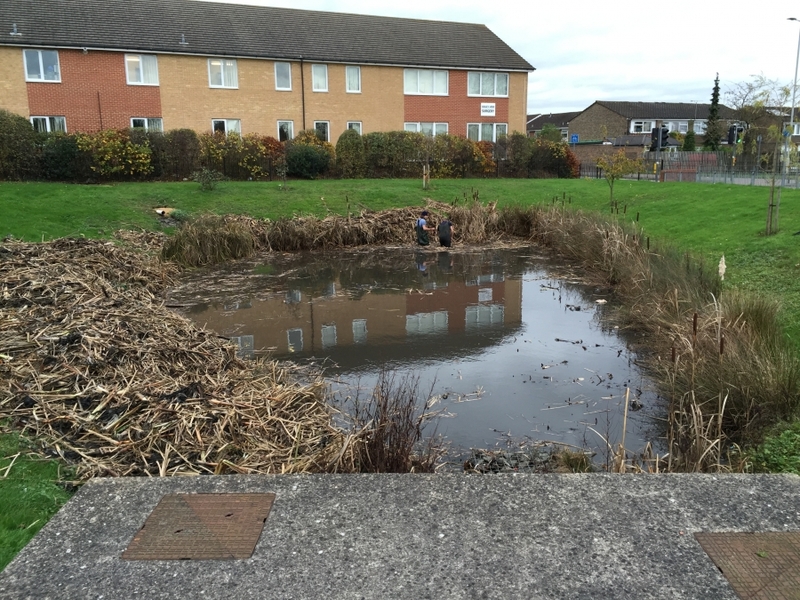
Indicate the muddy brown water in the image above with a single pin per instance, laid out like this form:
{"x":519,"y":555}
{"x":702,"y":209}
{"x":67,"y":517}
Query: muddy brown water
{"x":513,"y":347}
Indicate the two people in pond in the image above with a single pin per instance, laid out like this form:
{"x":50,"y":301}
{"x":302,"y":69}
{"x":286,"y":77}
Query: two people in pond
{"x":444,"y":231}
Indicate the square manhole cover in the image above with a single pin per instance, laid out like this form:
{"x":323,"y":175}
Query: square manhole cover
{"x":201,"y":527}
{"x":759,"y":566}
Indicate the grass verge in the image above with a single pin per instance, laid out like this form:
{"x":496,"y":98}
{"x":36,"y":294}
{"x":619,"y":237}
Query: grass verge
{"x":30,"y":493}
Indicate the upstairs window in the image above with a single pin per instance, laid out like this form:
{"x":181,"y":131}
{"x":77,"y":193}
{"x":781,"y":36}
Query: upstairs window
{"x":425,"y":82}
{"x":319,"y":78}
{"x":353,"y":77}
{"x":642,"y":126}
{"x":487,"y":84}
{"x":283,"y":76}
{"x":49,"y":124}
{"x":42,"y":65}
{"x":141,"y":69}
{"x":222,"y":73}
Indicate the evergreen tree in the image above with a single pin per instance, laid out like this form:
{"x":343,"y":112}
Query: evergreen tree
{"x":689,"y":142}
{"x":714,"y":130}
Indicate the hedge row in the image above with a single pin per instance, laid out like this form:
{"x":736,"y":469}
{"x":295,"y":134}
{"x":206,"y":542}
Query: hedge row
{"x":135,"y":154}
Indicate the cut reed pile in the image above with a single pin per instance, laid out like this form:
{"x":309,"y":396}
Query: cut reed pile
{"x":95,"y":369}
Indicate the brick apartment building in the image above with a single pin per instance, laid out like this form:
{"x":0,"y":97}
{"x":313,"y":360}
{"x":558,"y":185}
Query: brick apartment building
{"x":87,"y":65}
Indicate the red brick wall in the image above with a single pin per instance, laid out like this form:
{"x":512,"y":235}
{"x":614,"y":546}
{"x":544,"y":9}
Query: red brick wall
{"x":93,"y":93}
{"x":456,"y":109}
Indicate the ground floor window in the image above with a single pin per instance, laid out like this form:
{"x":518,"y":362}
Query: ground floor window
{"x":323,"y":129}
{"x":49,"y":124}
{"x":148,"y":124}
{"x":356,"y":125}
{"x":427,"y":128}
{"x":486,"y":132}
{"x":226,"y":126}
{"x":285,"y":130}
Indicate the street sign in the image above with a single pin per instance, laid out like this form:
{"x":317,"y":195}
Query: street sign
{"x":573,"y":138}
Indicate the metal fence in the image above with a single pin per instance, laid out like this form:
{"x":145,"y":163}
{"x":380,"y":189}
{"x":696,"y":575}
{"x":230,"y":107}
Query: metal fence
{"x":705,"y":167}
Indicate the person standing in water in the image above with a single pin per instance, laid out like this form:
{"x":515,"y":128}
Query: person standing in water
{"x":445,"y":231}
{"x":422,"y":228}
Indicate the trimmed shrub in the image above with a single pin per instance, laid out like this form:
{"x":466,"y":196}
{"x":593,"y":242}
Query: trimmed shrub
{"x":303,"y":160}
{"x":350,"y":155}
{"x":114,"y":155}
{"x":181,"y":154}
{"x":394,"y":154}
{"x":62,"y":160}
{"x":259,"y":155}
{"x":19,"y":154}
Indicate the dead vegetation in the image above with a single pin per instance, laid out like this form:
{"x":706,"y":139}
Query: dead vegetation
{"x":96,"y":370}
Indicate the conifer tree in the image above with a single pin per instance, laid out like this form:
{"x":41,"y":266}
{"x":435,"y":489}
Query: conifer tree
{"x":714,"y":130}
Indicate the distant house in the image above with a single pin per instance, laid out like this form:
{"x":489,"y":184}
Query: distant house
{"x":558,"y":120}
{"x":609,"y":120}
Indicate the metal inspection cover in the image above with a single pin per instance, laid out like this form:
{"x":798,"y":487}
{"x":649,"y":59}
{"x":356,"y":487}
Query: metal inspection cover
{"x":759,"y":566}
{"x":201,"y":527}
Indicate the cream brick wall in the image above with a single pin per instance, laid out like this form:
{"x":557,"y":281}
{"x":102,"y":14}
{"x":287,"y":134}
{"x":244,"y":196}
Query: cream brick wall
{"x":13,"y":91}
{"x":188,"y":101}
{"x":379,"y":106}
{"x":517,"y":102}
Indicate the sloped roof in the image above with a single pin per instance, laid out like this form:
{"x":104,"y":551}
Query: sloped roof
{"x":213,"y":28}
{"x":664,"y":110}
{"x":536,"y":122}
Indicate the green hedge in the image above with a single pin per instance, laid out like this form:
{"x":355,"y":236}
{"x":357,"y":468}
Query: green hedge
{"x":135,"y":154}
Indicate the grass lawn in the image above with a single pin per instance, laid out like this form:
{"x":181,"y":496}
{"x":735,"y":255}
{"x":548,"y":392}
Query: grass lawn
{"x":29,"y":495}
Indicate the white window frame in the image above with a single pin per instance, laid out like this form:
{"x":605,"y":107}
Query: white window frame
{"x":230,"y":126}
{"x":277,"y":85}
{"x":229,"y":69}
{"x":357,"y":125}
{"x":49,"y":123}
{"x":291,"y":129}
{"x":150,"y":123}
{"x":356,"y":70}
{"x":481,"y":76}
{"x":411,"y":78}
{"x":319,"y":71}
{"x":42,"y":78}
{"x":644,"y":126}
{"x":480,"y":127}
{"x":327,"y":125}
{"x":443,"y":128}
{"x":141,"y":58}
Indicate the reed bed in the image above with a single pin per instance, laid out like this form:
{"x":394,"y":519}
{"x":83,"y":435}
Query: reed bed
{"x":97,"y":371}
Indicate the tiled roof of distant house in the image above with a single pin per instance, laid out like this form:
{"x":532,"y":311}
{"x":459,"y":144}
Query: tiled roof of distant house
{"x":664,"y":110}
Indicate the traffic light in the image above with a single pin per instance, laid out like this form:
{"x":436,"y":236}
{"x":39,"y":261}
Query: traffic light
{"x":739,"y":134}
{"x":653,"y":140}
{"x":732,"y":135}
{"x":664,"y":137}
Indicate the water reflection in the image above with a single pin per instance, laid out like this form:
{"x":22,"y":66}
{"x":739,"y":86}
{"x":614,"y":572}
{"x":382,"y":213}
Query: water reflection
{"x":497,"y":326}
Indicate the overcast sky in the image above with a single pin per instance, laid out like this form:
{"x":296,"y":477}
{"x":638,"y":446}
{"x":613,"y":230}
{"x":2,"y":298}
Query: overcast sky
{"x":587,"y":50}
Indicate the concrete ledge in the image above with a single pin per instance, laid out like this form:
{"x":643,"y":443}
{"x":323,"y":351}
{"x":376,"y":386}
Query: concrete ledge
{"x":419,"y":536}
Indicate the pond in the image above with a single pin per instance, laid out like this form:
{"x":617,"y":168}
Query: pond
{"x":512,"y":345}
